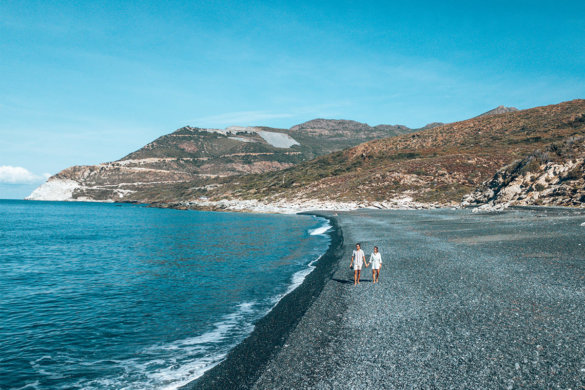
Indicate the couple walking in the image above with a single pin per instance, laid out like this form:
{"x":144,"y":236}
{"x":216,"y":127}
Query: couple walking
{"x":358,"y":258}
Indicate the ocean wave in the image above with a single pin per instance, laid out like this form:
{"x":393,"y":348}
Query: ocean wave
{"x":238,"y":322}
{"x":30,"y":386}
{"x":184,"y":360}
{"x":321,"y":230}
{"x":177,"y":363}
{"x":299,"y":277}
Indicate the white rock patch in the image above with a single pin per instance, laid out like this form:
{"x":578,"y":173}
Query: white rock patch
{"x":242,"y":139}
{"x":278,"y":140}
{"x":54,"y":189}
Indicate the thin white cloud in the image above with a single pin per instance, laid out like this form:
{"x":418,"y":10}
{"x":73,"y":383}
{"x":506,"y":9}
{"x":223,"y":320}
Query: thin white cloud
{"x":258,"y":117}
{"x":20,"y":175}
{"x":238,"y":118}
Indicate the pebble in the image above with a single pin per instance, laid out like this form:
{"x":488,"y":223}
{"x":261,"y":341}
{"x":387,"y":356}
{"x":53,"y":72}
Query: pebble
{"x":463,"y":298}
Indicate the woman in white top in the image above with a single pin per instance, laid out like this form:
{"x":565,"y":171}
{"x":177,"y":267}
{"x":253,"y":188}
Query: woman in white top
{"x":358,"y":258}
{"x":376,"y":261}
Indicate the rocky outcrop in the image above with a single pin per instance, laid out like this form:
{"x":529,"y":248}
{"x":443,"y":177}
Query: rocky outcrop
{"x":552,"y":177}
{"x":499,"y":110}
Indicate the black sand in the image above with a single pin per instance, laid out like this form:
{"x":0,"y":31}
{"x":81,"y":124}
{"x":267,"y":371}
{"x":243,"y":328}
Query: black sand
{"x":464,"y":301}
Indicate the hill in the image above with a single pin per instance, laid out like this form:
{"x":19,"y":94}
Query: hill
{"x":192,"y":156}
{"x":329,"y":135}
{"x":439,"y":165}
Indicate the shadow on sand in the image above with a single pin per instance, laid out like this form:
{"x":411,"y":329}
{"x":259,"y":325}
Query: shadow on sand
{"x":344,"y":281}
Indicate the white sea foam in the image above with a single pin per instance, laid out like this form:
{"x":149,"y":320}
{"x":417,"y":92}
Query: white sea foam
{"x":299,"y":277}
{"x":177,"y":375}
{"x":30,"y":386}
{"x":583,"y":224}
{"x":321,"y":229}
{"x":184,"y":360}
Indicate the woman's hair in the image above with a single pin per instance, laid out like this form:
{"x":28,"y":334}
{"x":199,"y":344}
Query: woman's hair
{"x":375,"y":247}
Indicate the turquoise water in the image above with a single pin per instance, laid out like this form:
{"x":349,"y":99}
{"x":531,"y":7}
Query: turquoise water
{"x":109,"y":296}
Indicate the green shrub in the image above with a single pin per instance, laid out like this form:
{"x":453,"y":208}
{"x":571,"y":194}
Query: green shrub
{"x":573,"y":174}
{"x":530,"y":166}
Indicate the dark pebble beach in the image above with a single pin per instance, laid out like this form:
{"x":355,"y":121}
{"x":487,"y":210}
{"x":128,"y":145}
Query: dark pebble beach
{"x":465,"y":301}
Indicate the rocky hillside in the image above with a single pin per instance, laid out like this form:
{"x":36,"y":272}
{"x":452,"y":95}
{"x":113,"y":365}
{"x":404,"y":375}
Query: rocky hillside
{"x":554,"y":176}
{"x":355,"y":163}
{"x":190,"y":156}
{"x":434,"y":166}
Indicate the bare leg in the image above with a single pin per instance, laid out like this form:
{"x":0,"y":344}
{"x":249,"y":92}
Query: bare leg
{"x":355,"y":277}
{"x":359,"y":274}
{"x":373,"y":275}
{"x":377,"y":275}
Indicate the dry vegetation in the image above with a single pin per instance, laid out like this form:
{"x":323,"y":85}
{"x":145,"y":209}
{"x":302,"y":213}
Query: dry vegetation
{"x":554,"y":176}
{"x":436,"y":165}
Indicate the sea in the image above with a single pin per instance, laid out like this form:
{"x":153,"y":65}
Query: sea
{"x":120,"y":296}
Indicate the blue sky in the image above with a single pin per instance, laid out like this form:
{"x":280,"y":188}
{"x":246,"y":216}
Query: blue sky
{"x":84,"y":82}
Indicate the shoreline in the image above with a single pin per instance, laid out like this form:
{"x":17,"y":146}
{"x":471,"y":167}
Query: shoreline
{"x":308,"y":206}
{"x":305,"y":206}
{"x":465,"y":300}
{"x":244,"y":363}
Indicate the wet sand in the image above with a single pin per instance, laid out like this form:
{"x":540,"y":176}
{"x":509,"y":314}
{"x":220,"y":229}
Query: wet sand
{"x":464,"y":301}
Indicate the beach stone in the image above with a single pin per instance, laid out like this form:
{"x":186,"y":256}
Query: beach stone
{"x":465,"y":300}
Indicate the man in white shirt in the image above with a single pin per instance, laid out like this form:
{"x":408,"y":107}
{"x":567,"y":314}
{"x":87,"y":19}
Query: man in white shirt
{"x":357,"y":260}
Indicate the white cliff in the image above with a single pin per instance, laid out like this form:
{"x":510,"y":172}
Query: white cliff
{"x":54,"y":189}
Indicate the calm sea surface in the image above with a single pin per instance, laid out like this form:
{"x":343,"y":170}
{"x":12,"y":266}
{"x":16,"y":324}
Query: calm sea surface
{"x":108,"y":296}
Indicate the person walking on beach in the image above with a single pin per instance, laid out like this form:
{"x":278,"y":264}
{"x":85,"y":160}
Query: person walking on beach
{"x":376,"y":261}
{"x":357,"y":260}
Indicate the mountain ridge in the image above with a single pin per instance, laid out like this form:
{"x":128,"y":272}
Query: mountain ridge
{"x":196,"y":155}
{"x":438,"y":165}
{"x":322,"y":160}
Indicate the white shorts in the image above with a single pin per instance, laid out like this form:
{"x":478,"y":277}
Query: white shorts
{"x":357,"y":267}
{"x":375,"y":266}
